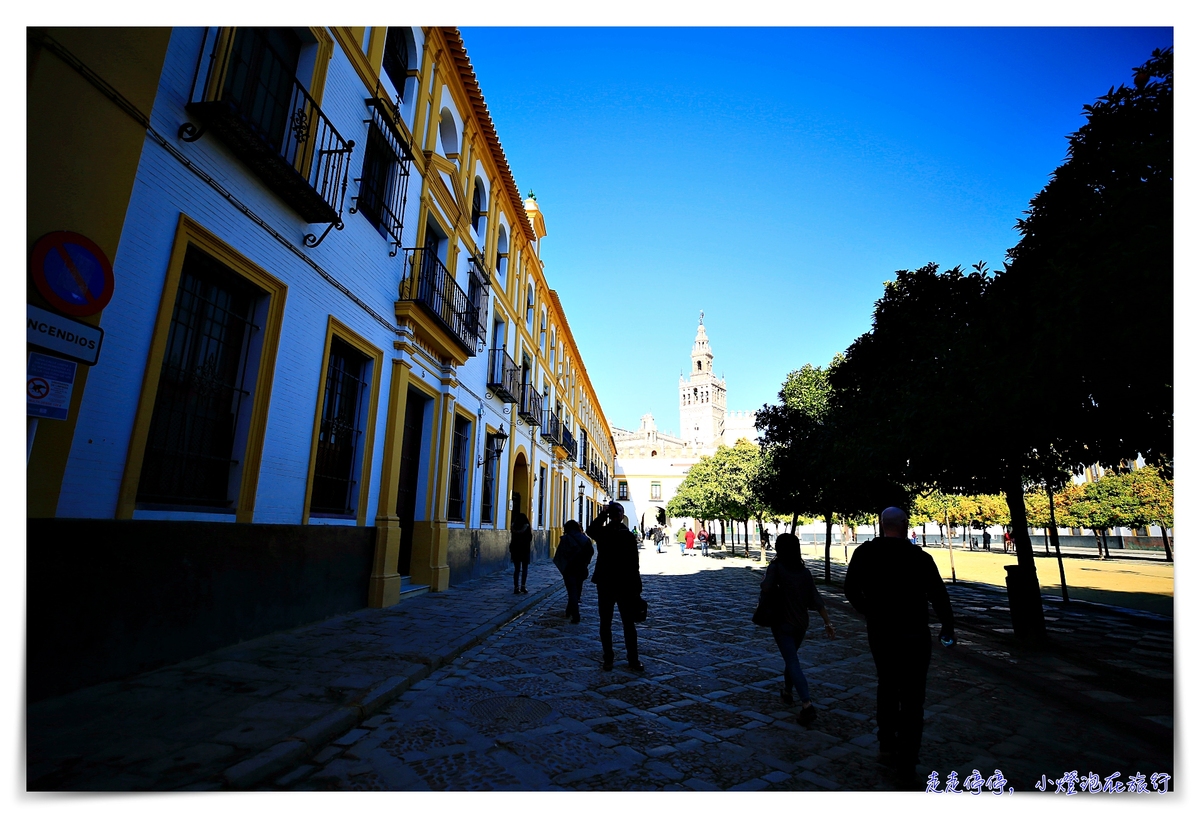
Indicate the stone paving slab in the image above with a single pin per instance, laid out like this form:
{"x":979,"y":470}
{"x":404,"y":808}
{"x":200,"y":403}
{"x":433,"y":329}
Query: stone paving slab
{"x":237,"y":715}
{"x":706,"y":713}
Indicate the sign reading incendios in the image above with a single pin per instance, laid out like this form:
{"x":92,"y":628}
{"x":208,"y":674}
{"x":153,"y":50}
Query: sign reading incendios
{"x":66,"y":336}
{"x":48,"y":382}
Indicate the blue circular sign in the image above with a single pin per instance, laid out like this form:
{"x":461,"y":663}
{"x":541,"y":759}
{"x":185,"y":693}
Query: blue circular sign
{"x":72,"y":273}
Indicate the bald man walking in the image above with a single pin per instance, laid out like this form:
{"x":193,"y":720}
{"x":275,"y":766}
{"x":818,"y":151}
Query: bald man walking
{"x":891,"y":581}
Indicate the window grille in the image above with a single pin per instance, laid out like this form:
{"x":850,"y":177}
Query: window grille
{"x":542,"y":497}
{"x":202,"y":396}
{"x":458,"y":471}
{"x":340,"y":431}
{"x":383,"y":186}
{"x":487,"y":508}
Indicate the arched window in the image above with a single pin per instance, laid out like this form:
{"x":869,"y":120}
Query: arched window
{"x":553,"y":347}
{"x":477,"y":205}
{"x":502,"y":253}
{"x":542,"y":336}
{"x":448,"y":131}
{"x":699,"y":366}
{"x":529,"y":310}
{"x":397,"y":57}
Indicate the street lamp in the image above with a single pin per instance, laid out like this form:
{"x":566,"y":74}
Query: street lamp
{"x":497,"y":447}
{"x":580,"y":501}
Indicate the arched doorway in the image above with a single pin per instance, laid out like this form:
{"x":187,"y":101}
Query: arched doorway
{"x":520,"y":484}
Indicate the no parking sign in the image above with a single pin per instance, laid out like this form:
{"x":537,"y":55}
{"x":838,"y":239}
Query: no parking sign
{"x":72,"y":273}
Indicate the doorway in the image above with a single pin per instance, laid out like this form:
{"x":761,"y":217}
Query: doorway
{"x":410,"y":472}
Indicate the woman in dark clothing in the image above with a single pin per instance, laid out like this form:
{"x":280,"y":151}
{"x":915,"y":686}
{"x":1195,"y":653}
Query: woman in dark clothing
{"x":573,"y":556}
{"x":518,"y":549}
{"x":795,"y":593}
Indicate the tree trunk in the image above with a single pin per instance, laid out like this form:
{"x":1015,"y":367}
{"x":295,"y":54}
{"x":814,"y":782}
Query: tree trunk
{"x":1053,"y":532}
{"x":1162,"y":529}
{"x":828,"y":545}
{"x":795,"y":516}
{"x":1046,"y":533}
{"x":1026,"y":604}
{"x":1099,"y":545}
{"x":1105,"y":535}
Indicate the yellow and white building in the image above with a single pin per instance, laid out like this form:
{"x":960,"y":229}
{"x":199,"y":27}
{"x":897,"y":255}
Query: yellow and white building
{"x":332,"y":363}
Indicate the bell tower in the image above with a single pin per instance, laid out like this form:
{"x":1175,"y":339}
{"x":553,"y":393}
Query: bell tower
{"x":702,"y":397}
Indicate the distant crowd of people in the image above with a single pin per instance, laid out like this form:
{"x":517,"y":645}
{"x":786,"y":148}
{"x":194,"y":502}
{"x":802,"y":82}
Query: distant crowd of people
{"x":890,"y":580}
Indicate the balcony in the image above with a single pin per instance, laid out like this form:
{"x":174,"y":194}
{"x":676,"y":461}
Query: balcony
{"x":428,"y":283}
{"x":568,"y":443}
{"x":551,"y":427}
{"x":480,"y":287}
{"x":529,"y":408}
{"x":504,"y":378}
{"x":247,"y":94}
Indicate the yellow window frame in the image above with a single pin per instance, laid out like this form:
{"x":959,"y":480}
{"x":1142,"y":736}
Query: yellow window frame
{"x":191,"y":233}
{"x":333,"y":328}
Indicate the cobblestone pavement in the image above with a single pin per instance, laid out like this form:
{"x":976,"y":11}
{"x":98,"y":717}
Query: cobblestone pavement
{"x":233,"y":716}
{"x":531,"y":709}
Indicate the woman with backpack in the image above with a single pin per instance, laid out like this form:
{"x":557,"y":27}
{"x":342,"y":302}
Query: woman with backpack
{"x":788,"y":593}
{"x":572,"y":557}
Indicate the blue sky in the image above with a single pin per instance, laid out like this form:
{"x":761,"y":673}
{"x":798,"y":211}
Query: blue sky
{"x":774,"y":178}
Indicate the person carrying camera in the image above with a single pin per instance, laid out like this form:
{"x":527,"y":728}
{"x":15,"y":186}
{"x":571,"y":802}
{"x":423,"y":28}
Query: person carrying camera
{"x":618,"y":581}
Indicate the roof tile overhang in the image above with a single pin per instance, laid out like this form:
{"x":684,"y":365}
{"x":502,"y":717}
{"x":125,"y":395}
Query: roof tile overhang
{"x":466,"y":72}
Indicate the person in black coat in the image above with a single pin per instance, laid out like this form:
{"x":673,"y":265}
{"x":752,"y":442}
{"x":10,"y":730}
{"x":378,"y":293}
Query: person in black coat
{"x":573,"y":556}
{"x":891,"y":582}
{"x":618,"y":581}
{"x":518,"y":549}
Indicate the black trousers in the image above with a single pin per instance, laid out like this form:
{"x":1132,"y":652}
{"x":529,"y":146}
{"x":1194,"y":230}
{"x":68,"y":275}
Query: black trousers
{"x":902,"y":664}
{"x":520,"y":572}
{"x":574,"y":591}
{"x":624,"y":604}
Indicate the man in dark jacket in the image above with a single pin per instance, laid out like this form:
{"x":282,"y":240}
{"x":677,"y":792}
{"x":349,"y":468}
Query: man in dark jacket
{"x":618,"y":581}
{"x":891,"y":582}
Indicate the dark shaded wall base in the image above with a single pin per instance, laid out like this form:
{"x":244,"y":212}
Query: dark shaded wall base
{"x":476,"y":552}
{"x":109,"y":598}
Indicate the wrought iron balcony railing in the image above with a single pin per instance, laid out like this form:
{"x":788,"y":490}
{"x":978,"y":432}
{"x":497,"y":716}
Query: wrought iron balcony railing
{"x":478,"y":291}
{"x":246,"y":93}
{"x":504,"y":378}
{"x":427,"y":282}
{"x":551,"y":426}
{"x":568,"y":442}
{"x":529,"y":408}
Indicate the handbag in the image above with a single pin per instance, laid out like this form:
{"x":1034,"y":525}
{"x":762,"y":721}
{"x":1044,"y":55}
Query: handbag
{"x":641,"y":610}
{"x":767,"y":612}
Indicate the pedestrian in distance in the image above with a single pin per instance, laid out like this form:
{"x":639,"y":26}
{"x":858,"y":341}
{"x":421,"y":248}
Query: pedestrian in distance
{"x":703,"y":537}
{"x":790,"y":593}
{"x":913,"y":537}
{"x":987,"y":540}
{"x":690,"y":539}
{"x":618,"y":582}
{"x":766,"y":540}
{"x":681,"y":538}
{"x":892,"y":582}
{"x":573,"y":556}
{"x":518,"y":550}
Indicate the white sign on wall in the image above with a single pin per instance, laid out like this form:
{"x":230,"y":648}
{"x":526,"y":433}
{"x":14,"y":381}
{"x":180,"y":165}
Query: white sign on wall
{"x":66,"y":336}
{"x":48,"y":382}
